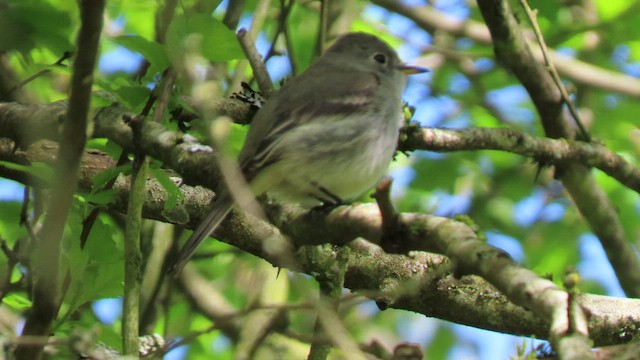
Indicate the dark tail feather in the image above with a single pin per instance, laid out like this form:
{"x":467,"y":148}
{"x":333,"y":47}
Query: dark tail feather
{"x":221,"y":208}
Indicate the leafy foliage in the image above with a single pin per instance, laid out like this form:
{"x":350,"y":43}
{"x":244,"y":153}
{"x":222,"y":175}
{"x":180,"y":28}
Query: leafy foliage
{"x":519,"y":203}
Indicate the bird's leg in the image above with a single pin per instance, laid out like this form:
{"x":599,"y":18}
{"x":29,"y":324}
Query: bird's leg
{"x":328,"y":203}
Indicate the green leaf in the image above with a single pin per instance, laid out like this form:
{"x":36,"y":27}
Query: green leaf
{"x":97,"y":143}
{"x":305,"y":23}
{"x":152,"y":51}
{"x":634,"y":47}
{"x":97,"y":269}
{"x":28,"y":25}
{"x":173,"y":191}
{"x":17,"y":301}
{"x":441,"y":344}
{"x":103,"y":177}
{"x":10,"y":228}
{"x":133,"y":96}
{"x":37,"y":169}
{"x":204,"y":35}
{"x":610,"y":9}
{"x":138,"y":15}
{"x":101,"y":197}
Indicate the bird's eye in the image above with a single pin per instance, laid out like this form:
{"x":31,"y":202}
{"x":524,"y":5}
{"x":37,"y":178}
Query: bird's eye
{"x":380,"y":58}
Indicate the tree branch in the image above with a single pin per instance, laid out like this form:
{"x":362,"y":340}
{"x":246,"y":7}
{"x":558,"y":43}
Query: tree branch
{"x":259,"y":68}
{"x":194,"y":162}
{"x":415,"y":283}
{"x":19,"y":118}
{"x":544,"y":150}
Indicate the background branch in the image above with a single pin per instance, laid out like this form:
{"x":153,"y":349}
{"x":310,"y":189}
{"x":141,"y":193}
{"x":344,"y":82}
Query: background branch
{"x":511,"y":48}
{"x":46,"y":299}
{"x":581,"y":72}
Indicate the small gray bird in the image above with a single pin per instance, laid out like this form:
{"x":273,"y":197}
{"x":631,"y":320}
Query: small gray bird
{"x":326,"y":136}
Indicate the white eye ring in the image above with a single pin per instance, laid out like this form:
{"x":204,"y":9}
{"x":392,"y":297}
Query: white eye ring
{"x":380,"y":58}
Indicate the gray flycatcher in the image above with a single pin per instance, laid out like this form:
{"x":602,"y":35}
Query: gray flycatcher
{"x":327,"y":135}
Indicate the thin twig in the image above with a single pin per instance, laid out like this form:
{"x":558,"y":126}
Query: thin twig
{"x":285,"y":9}
{"x":163,"y":19}
{"x":133,"y":255}
{"x":289,"y":45}
{"x":165,"y":95}
{"x":233,"y":14}
{"x":259,"y":16}
{"x":65,"y":56}
{"x":532,"y":15}
{"x":547,"y":150}
{"x":160,"y":109}
{"x":324,"y":23}
{"x":259,"y":69}
{"x":24,"y":217}
{"x":132,"y":251}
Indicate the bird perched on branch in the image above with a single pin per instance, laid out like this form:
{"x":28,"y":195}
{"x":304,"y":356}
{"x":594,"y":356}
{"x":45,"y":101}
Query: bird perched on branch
{"x":326,"y":136}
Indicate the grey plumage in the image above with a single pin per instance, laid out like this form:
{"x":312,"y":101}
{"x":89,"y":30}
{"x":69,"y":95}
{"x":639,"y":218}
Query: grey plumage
{"x":327,"y":134}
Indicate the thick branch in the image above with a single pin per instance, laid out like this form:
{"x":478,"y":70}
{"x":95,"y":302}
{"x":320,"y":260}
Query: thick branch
{"x":404,"y":282}
{"x":18,"y":119}
{"x":413,"y":283}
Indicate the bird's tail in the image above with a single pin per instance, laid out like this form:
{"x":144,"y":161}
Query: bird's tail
{"x":221,"y":207}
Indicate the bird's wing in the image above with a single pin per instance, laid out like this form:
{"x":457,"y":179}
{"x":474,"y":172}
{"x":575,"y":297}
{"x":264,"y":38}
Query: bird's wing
{"x":341,"y":92}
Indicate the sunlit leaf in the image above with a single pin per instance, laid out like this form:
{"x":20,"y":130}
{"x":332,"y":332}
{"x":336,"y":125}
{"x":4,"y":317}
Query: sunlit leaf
{"x":40,"y":170}
{"x":17,"y":301}
{"x":173,"y":191}
{"x":609,"y":9}
{"x":199,"y":33}
{"x":152,"y":51}
{"x":25,"y":25}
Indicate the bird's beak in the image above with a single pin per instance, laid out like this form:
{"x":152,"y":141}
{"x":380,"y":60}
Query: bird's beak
{"x":410,"y":70}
